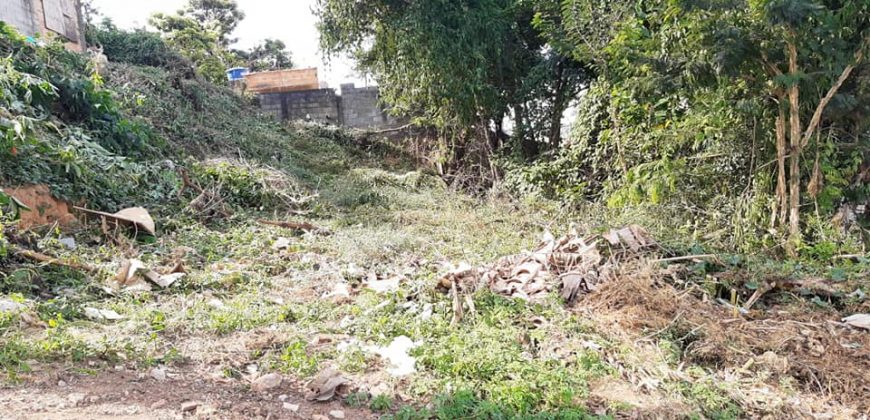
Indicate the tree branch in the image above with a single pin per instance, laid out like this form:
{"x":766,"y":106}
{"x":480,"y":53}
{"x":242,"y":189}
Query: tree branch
{"x":817,"y":116}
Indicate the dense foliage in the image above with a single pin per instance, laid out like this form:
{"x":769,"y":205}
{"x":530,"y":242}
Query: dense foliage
{"x":270,"y":54}
{"x":113,"y":141}
{"x":462,"y":66}
{"x":752,"y":113}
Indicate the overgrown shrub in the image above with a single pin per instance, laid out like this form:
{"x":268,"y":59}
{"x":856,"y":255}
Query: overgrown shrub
{"x":138,"y":46}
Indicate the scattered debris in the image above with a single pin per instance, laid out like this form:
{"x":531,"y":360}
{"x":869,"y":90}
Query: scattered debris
{"x":396,"y":354}
{"x":47,"y":259}
{"x":324,"y":386}
{"x":133,"y":273}
{"x":383,"y":286}
{"x":858,"y":321}
{"x":298,"y":226}
{"x":573,"y":263}
{"x":266,"y":382}
{"x":136,"y":217}
{"x":164,"y":280}
{"x":189,"y":406}
{"x":281,"y":243}
{"x":102,"y":314}
{"x":209,"y":204}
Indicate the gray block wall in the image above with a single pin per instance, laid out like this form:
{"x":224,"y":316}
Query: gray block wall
{"x":355,"y":107}
{"x":361,"y":107}
{"x":321,"y":105}
{"x":19,"y":14}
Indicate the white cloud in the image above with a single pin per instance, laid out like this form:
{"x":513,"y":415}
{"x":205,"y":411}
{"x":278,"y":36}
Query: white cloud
{"x":291,"y":21}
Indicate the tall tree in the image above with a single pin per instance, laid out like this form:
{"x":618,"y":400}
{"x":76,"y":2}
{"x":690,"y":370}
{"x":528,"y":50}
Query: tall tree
{"x":454,"y":64}
{"x":270,"y":54}
{"x":201,"y":31}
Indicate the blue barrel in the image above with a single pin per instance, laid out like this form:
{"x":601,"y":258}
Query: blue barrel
{"x":237,"y":73}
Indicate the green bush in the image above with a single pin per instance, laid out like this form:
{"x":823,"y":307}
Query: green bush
{"x":138,"y":47}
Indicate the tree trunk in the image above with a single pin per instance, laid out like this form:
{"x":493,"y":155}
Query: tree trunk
{"x":528,"y":145}
{"x":555,"y":136}
{"x":780,"y":209}
{"x":795,"y":153}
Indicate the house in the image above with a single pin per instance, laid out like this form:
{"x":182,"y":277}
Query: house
{"x":47,"y":18}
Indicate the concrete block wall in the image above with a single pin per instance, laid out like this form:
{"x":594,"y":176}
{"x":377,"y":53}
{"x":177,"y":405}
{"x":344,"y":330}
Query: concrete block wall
{"x":321,"y":105}
{"x":355,"y":107}
{"x":19,"y":14}
{"x":361,"y":107}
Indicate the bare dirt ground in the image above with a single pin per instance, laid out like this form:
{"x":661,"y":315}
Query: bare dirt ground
{"x":122,"y":394}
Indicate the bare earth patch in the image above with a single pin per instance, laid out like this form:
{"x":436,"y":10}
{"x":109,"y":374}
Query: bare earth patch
{"x":133,"y":395}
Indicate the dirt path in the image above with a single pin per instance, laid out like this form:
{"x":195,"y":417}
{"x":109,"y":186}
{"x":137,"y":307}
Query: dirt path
{"x":131,"y":395}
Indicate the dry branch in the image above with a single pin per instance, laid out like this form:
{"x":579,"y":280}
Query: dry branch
{"x":47,"y":259}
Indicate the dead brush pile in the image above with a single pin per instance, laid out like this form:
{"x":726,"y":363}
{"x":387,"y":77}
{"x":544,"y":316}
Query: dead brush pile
{"x":574,"y":264}
{"x":222,"y":184}
{"x":825,"y":357}
{"x":618,"y":280}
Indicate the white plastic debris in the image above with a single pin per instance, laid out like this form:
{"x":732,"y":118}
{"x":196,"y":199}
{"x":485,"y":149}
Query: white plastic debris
{"x":281,"y":243}
{"x":385,"y":286}
{"x":102,"y":314}
{"x":400,"y":363}
{"x":858,"y":321}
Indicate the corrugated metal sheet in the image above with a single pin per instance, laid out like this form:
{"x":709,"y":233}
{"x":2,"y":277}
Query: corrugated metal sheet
{"x":282,"y":81}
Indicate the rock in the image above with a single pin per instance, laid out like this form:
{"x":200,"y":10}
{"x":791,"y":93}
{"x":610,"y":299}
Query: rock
{"x":336,"y":414}
{"x":68,"y":242}
{"x":292,"y":407}
{"x":340,"y":293}
{"x":381,"y":389}
{"x":102,"y":314}
{"x":319,"y":417}
{"x":427,"y":312}
{"x":7,"y":305}
{"x":189,"y":406}
{"x":76,"y":398}
{"x":266,"y":382}
{"x":215,"y":303}
{"x":283,"y":397}
{"x":158,"y":373}
{"x":61,"y":383}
